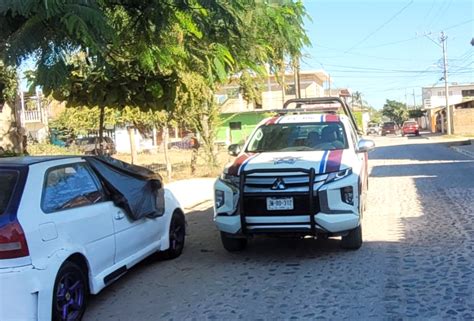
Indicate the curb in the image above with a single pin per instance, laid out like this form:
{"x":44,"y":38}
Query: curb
{"x":463,"y":151}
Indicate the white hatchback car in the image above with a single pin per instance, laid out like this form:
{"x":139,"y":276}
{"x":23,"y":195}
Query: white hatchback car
{"x":66,"y":231}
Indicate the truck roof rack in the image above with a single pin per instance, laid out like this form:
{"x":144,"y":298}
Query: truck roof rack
{"x":325,"y":106}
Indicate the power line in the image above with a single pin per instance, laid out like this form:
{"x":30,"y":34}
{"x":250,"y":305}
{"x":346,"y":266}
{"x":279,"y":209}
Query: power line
{"x":459,"y":24}
{"x":381,"y":26}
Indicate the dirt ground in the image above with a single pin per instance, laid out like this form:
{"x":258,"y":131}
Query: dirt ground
{"x":181,"y":163}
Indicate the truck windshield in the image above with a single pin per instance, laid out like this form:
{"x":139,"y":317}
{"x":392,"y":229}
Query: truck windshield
{"x":8,"y":181}
{"x":298,"y":137}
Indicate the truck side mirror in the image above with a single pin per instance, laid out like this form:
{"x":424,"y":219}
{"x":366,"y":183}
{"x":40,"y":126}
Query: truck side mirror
{"x":365,"y":145}
{"x":234,"y":149}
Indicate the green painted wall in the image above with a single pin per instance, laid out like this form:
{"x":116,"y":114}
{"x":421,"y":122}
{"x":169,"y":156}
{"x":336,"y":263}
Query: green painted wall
{"x":248,"y":123}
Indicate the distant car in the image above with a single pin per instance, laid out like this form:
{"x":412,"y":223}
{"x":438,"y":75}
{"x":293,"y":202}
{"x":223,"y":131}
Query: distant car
{"x":70,"y":226}
{"x":188,"y":142}
{"x":91,"y":145}
{"x":390,"y":128}
{"x":410,"y":127}
{"x":374,"y":129}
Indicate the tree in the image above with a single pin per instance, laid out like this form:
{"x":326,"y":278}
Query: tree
{"x":127,"y":53}
{"x":395,"y":110}
{"x":8,"y":84}
{"x":357,"y":99}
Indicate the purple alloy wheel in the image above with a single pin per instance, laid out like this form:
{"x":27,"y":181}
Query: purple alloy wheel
{"x":70,"y":296}
{"x":176,"y":235}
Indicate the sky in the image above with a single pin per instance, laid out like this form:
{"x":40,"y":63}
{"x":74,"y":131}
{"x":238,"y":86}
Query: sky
{"x":388,"y":49}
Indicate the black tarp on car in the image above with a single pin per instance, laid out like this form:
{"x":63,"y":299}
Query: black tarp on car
{"x":138,"y":190}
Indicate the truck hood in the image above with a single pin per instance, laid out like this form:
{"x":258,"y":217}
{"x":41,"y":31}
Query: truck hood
{"x":322,"y":161}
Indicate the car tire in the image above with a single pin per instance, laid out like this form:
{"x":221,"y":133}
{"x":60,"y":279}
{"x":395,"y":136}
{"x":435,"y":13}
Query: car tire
{"x":233,"y":244}
{"x":69,"y":293}
{"x":177,"y":235}
{"x":417,"y":133}
{"x":353,"y":240}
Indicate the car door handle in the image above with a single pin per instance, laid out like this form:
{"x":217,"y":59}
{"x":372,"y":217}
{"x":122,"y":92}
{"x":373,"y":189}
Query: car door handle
{"x":119,"y":215}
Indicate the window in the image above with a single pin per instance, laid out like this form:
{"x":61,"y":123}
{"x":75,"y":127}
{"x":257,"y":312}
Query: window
{"x":68,"y":187}
{"x":468,"y":93}
{"x":8,"y":181}
{"x":235,"y":125}
{"x":298,"y":137}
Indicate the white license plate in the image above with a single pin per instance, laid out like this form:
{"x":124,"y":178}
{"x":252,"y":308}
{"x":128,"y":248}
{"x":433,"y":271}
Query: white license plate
{"x":279,"y":203}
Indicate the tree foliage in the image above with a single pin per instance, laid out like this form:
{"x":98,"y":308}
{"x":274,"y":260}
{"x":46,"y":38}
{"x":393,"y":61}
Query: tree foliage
{"x":395,"y":110}
{"x":154,"y":55}
{"x":416,"y":113}
{"x":8,"y":84}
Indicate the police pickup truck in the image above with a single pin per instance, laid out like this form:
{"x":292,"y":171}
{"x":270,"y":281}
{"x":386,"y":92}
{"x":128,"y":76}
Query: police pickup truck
{"x":302,"y":172}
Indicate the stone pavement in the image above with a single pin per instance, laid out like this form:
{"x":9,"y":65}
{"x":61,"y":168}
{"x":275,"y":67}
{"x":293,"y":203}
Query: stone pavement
{"x":417,"y":261}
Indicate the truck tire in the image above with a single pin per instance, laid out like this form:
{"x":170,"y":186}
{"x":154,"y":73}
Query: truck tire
{"x":233,"y":244}
{"x":353,"y":240}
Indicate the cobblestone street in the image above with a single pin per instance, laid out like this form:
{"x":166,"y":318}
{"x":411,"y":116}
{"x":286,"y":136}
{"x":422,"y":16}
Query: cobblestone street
{"x":417,"y":260}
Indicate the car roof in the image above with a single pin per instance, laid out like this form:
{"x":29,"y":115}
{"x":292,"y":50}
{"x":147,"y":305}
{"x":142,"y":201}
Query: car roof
{"x":30,"y":160}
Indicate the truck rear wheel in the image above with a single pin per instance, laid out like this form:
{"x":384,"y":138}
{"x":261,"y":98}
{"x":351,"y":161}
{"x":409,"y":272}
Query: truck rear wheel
{"x":233,"y":244}
{"x":353,"y":240}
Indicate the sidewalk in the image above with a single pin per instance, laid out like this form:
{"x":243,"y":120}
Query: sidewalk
{"x":192,"y":192}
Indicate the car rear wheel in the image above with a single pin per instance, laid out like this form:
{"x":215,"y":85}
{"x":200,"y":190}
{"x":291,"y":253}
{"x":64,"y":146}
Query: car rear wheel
{"x":70,"y":293}
{"x":353,"y":240}
{"x":177,"y":235}
{"x":233,"y":244}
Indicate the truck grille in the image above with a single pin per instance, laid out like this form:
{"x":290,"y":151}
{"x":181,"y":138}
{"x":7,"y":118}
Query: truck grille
{"x":298,"y":183}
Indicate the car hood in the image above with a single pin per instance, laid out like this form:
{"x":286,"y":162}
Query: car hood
{"x":322,"y":161}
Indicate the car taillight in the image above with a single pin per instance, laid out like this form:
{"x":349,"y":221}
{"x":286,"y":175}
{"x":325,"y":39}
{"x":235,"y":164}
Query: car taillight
{"x":12,"y":241}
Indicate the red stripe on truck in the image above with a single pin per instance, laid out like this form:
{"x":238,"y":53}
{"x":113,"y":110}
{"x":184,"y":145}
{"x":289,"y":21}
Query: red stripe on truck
{"x":332,"y":118}
{"x":234,"y":168}
{"x":334,"y":160}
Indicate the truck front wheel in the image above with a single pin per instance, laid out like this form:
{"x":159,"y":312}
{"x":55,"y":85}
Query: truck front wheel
{"x":353,"y":240}
{"x":233,"y":244}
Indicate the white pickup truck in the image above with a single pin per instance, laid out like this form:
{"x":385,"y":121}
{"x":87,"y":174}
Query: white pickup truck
{"x":298,"y":174}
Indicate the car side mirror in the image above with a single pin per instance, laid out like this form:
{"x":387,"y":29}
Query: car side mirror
{"x":234,"y":149}
{"x":365,"y":145}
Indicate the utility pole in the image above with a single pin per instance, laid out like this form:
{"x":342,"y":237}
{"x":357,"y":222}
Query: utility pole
{"x":414,"y":99}
{"x":298,"y":76}
{"x":329,"y":84}
{"x":443,"y":38}
{"x":406,"y":99}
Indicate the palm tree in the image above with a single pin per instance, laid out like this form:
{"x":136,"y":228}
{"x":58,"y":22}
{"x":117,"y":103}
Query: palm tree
{"x":357,"y":99}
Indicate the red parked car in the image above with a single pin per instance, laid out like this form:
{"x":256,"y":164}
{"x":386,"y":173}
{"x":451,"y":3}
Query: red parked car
{"x":410,"y":127}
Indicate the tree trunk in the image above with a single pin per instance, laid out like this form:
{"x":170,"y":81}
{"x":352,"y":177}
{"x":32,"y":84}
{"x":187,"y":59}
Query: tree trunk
{"x":194,"y":155}
{"x":101,"y":129}
{"x":165,"y":137}
{"x":133,"y":150}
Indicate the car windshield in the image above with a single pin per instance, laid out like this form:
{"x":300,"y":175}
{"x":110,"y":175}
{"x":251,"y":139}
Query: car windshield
{"x":8,"y":181}
{"x":388,"y":124}
{"x":298,"y":137}
{"x":409,"y":123}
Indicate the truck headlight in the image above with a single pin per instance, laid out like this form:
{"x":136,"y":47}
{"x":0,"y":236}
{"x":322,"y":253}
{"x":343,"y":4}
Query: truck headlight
{"x":334,"y":176}
{"x":232,"y":179}
{"x":219,"y":198}
{"x":347,"y":195}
